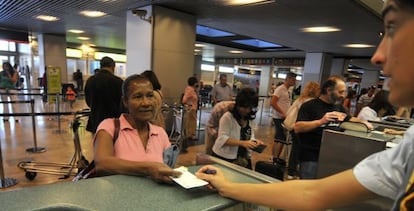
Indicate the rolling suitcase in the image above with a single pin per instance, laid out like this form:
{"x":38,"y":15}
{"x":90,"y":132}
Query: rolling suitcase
{"x":275,"y":169}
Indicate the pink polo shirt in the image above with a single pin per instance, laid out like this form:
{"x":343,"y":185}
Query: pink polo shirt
{"x":129,"y":145}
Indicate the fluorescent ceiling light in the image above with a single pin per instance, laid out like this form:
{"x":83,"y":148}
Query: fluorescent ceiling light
{"x":236,"y":52}
{"x":47,"y":18}
{"x":223,"y":69}
{"x":207,"y":67}
{"x":257,"y":43}
{"x":199,"y":45}
{"x":76,"y":31}
{"x":321,"y":29}
{"x":246,"y":2}
{"x":211,"y":32}
{"x":197,"y":50}
{"x":358,"y":45}
{"x":83,"y":38}
{"x":92,"y":13}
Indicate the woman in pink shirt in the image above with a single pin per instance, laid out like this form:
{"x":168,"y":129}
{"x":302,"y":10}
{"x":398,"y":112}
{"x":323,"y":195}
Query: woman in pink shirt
{"x":139,"y":147}
{"x":190,"y":100}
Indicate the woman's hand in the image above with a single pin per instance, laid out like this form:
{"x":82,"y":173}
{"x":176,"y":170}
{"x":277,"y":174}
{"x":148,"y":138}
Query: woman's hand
{"x":160,"y":172}
{"x":250,"y":144}
{"x":216,"y":181}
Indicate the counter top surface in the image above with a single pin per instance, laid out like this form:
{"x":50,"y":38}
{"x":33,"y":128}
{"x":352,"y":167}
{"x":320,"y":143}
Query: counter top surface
{"x":120,"y":192}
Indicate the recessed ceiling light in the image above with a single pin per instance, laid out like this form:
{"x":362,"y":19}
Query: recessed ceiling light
{"x":321,"y":29}
{"x":92,"y":13}
{"x":76,"y":31}
{"x":47,"y":18}
{"x":83,"y":38}
{"x":236,"y":52}
{"x":358,"y":45}
{"x":246,"y":2}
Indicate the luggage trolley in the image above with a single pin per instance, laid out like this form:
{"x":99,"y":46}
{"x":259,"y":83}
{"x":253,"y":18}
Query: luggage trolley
{"x":76,"y":164}
{"x":177,"y":128}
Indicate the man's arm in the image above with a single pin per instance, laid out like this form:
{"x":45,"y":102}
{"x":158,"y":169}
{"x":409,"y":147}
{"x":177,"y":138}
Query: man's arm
{"x":305,"y":126}
{"x":334,"y":191}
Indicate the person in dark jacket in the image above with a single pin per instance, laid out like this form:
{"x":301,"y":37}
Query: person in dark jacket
{"x":103,"y":93}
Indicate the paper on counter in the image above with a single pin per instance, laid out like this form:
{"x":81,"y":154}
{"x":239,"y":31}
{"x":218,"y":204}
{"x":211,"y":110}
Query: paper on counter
{"x":187,"y":179}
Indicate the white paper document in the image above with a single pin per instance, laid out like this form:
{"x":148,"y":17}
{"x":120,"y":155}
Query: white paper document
{"x":187,"y":179}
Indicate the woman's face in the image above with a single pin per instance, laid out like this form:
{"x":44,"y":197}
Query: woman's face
{"x":244,"y":111}
{"x":140,"y":100}
{"x":5,"y":67}
{"x":394,"y":53}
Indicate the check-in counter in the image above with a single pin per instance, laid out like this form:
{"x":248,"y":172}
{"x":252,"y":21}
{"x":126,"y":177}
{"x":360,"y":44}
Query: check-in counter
{"x":342,"y":150}
{"x":121,"y":192}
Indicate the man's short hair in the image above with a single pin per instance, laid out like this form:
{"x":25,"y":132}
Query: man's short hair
{"x":107,"y":62}
{"x":291,"y":75}
{"x":223,"y":76}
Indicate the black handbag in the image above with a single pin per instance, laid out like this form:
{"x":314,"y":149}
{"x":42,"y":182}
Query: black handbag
{"x":90,"y":170}
{"x":274,"y":169}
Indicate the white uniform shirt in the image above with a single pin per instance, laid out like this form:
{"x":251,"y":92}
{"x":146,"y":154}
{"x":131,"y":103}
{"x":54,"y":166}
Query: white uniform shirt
{"x":284,"y":101}
{"x":387,"y":173}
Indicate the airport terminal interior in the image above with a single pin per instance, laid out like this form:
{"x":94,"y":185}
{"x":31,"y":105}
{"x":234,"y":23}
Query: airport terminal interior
{"x":257,"y":44}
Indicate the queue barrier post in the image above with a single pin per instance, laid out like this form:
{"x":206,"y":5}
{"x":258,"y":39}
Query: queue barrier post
{"x":34,"y":149}
{"x":5,"y":182}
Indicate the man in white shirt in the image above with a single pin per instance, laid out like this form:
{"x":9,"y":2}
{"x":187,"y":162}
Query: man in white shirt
{"x":281,"y":101}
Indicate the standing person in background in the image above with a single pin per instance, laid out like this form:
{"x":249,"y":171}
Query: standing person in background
{"x":377,"y":108}
{"x":350,"y":102}
{"x":103,"y":93}
{"x":213,"y":123}
{"x":78,"y":77}
{"x":257,"y":86}
{"x":365,"y":99}
{"x":190,"y":101}
{"x":70,"y":96}
{"x":316,"y":115}
{"x":221,"y":91}
{"x":236,"y":138}
{"x":388,"y":173}
{"x":281,"y":101}
{"x":311,"y":91}
{"x":158,"y":117}
{"x":8,"y":79}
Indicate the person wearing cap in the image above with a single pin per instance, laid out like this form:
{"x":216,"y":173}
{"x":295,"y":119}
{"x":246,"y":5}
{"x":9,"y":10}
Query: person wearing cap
{"x":103,"y":93}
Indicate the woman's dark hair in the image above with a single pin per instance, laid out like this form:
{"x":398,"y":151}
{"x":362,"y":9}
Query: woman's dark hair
{"x":351,"y":93}
{"x":247,"y":98}
{"x":380,"y":101}
{"x":152,"y":78}
{"x":129,"y":80}
{"x":192,"y":80}
{"x":11,"y":69}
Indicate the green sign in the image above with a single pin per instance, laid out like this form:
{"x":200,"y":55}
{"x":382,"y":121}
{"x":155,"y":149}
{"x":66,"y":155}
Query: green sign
{"x":53,"y":82}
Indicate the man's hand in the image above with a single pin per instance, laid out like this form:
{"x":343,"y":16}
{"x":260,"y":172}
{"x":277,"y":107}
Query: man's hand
{"x":332,"y":116}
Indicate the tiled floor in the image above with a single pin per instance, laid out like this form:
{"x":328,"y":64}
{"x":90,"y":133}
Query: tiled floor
{"x":55,"y":135}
